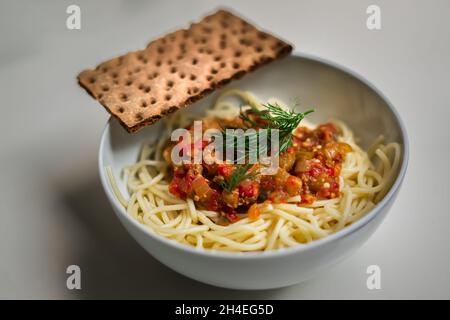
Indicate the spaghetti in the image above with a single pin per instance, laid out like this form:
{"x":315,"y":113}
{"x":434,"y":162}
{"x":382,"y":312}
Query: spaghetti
{"x":364,"y":179}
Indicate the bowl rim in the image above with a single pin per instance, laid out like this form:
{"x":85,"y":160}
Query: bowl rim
{"x":369,"y":216}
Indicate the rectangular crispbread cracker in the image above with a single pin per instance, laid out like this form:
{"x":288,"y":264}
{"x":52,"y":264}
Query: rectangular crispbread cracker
{"x":141,"y":87}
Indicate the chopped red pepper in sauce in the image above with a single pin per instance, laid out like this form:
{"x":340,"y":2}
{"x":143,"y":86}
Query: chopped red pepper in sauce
{"x":309,"y":168}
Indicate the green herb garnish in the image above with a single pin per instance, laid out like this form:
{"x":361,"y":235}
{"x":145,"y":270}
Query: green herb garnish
{"x":239,"y":174}
{"x":285,"y":121}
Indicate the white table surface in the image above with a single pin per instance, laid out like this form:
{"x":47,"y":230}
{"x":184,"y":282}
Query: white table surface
{"x":54,"y":212}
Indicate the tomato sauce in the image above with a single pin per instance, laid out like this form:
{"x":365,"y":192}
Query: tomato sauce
{"x":309,"y":168}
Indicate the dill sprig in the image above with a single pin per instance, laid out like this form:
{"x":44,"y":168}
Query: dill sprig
{"x":285,"y":121}
{"x":239,"y":174}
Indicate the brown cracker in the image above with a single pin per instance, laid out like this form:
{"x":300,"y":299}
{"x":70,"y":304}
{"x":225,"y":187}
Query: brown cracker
{"x":174,"y":71}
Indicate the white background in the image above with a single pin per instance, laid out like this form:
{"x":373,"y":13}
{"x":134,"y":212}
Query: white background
{"x":53,"y":212}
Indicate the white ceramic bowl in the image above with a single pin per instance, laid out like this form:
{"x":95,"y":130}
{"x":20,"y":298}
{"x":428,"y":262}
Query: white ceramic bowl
{"x":334,"y":92}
